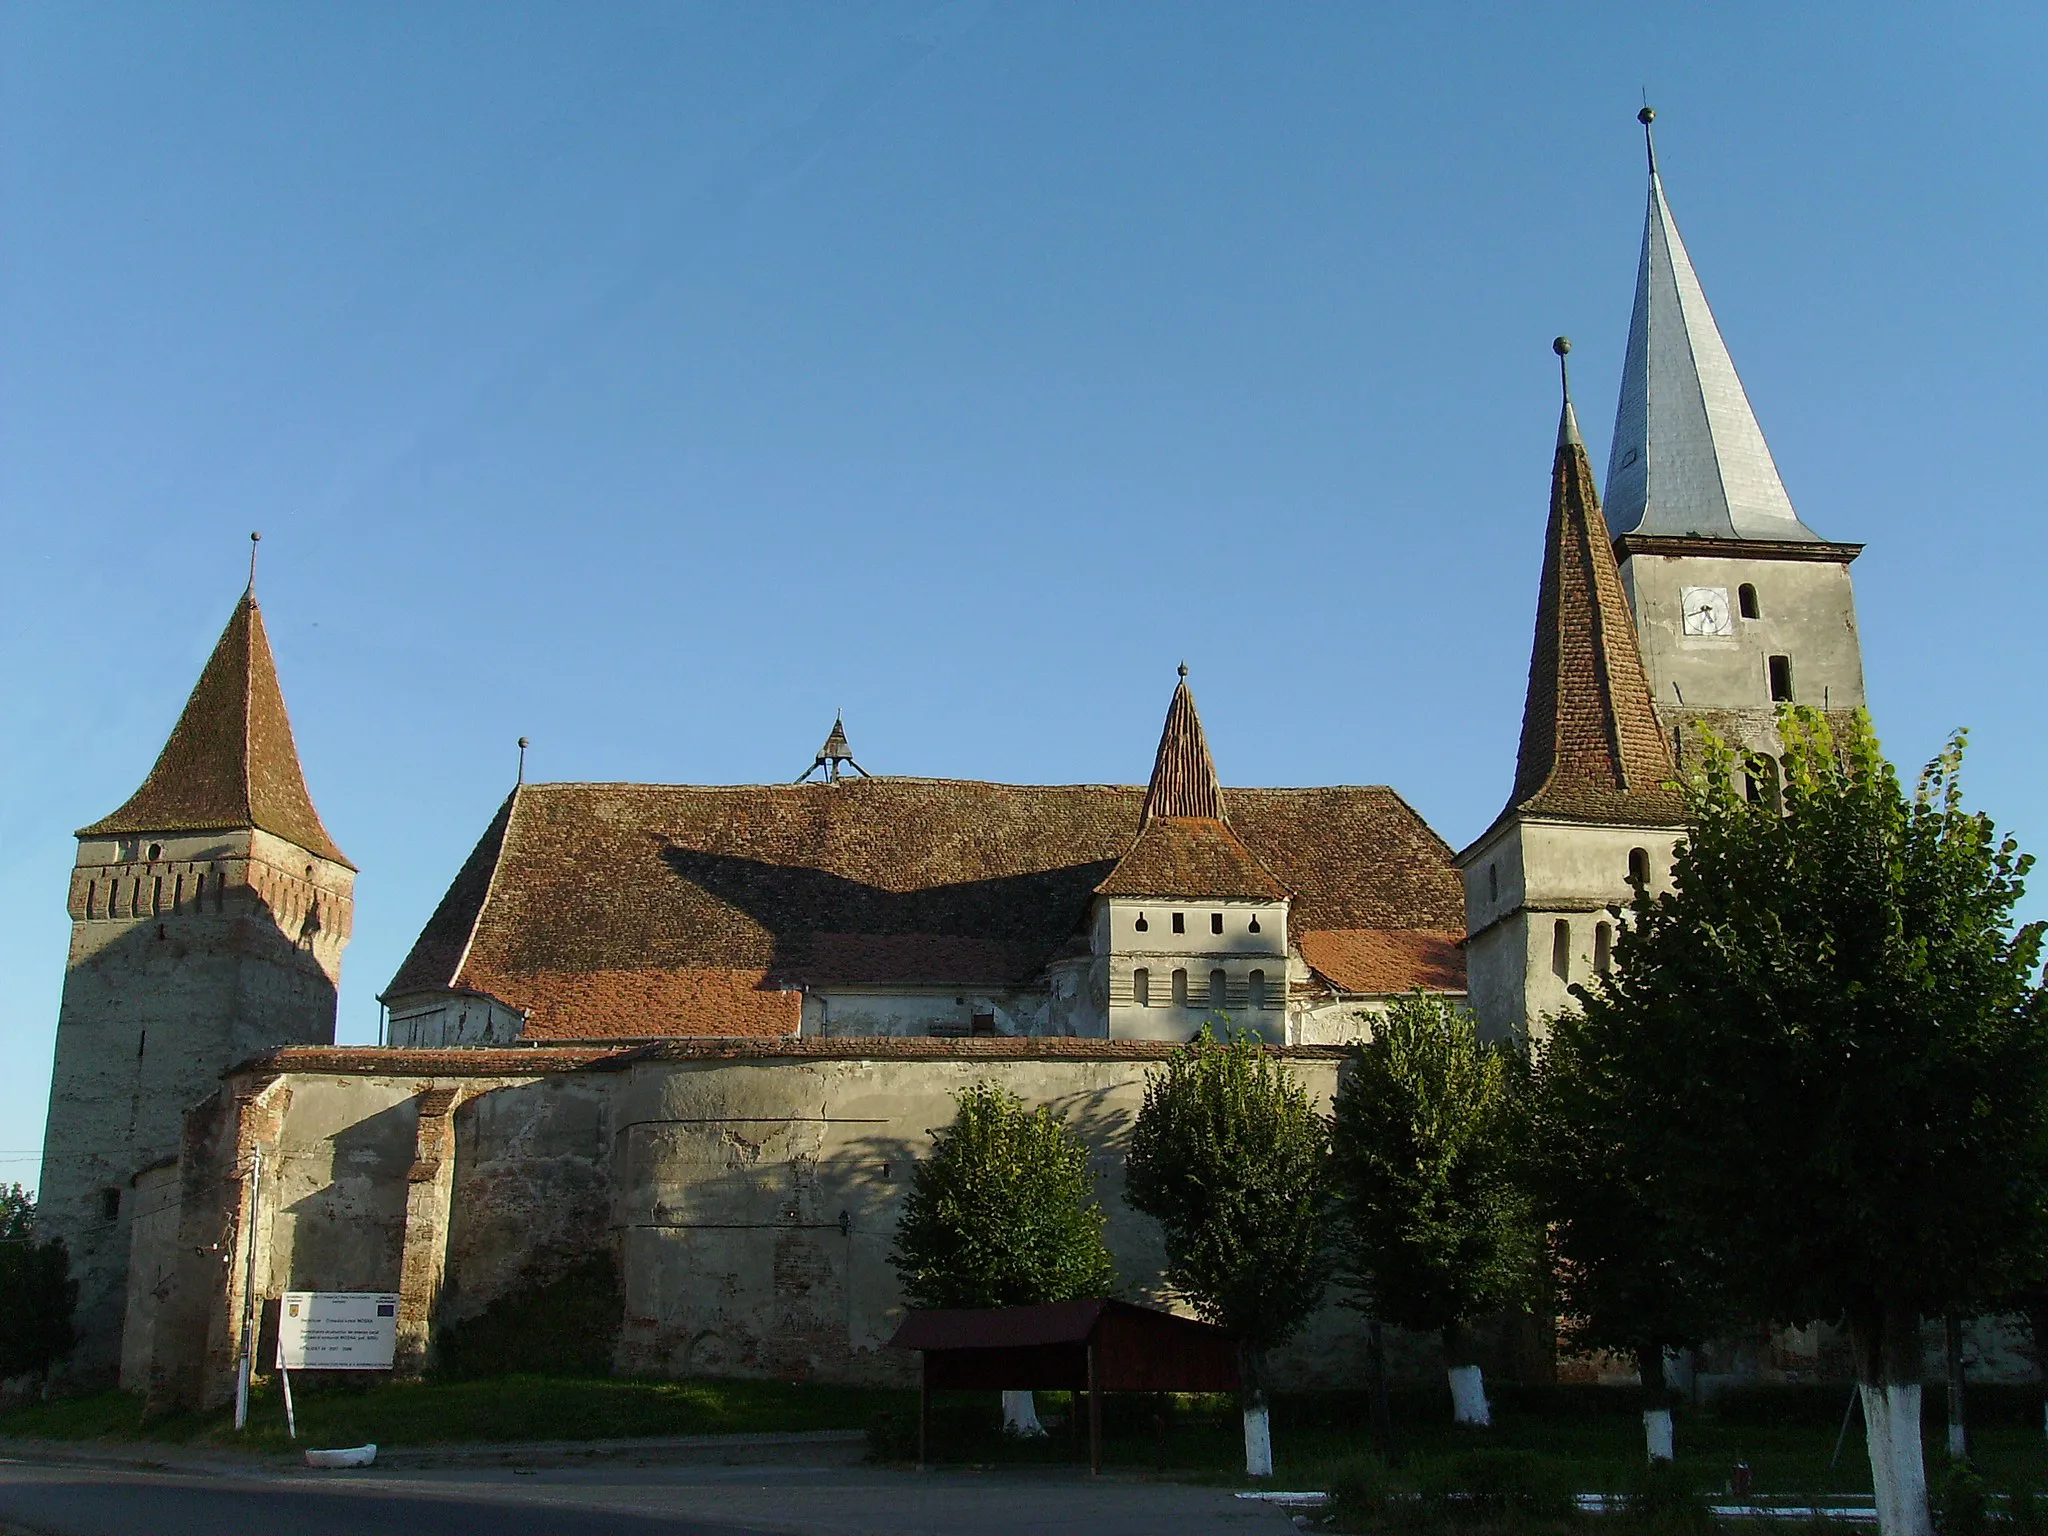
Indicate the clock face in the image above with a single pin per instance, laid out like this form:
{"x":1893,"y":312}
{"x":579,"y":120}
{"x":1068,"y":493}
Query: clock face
{"x":1706,"y":611}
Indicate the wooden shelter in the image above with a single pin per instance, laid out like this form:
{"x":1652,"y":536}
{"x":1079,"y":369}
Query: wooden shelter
{"x":1092,"y":1346}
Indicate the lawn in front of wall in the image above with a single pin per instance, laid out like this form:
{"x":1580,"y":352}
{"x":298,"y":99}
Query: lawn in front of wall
{"x":1593,"y":1435}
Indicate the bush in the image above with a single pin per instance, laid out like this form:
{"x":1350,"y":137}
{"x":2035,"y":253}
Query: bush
{"x":1515,"y":1493}
{"x":1962,"y":1503}
{"x":1663,"y":1501}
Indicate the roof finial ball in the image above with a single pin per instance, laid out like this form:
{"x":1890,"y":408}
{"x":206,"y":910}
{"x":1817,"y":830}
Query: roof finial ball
{"x":1646,"y":117}
{"x":1562,"y":347}
{"x":1183,"y":671}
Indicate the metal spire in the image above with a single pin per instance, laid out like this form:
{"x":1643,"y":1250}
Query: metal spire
{"x":255,"y":539}
{"x":1689,"y":459}
{"x":1568,"y":419}
{"x":522,"y":760}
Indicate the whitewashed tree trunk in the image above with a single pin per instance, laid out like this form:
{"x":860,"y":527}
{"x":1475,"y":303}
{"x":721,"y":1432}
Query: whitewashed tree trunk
{"x":1258,"y":1442}
{"x":1468,"y":1396}
{"x":1898,"y":1467}
{"x":1657,"y":1433}
{"x":1020,"y":1414}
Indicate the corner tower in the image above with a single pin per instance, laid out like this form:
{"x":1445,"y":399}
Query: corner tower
{"x":208,"y":917}
{"x":1593,"y":810}
{"x":1193,"y":924}
{"x":1739,"y":606}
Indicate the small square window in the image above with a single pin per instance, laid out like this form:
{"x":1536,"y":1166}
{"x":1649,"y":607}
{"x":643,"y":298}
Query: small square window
{"x":1180,"y":922}
{"x":1215,"y":922}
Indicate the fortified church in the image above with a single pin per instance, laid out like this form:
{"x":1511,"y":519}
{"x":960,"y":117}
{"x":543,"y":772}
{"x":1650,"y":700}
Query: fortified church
{"x":706,"y":1031}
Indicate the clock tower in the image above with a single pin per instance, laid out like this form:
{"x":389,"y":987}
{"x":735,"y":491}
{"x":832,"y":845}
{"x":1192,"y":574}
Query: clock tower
{"x":1740,"y":607}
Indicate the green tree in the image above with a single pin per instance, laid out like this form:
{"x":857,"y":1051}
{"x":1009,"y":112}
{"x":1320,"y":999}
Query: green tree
{"x":1622,"y":1279}
{"x":1438,"y":1229}
{"x":1836,"y":1058}
{"x":37,"y":1294}
{"x":1230,"y":1158}
{"x":1002,"y":1212}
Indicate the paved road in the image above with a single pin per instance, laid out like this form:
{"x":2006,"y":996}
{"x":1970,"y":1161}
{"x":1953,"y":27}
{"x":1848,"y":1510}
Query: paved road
{"x":78,"y":1500}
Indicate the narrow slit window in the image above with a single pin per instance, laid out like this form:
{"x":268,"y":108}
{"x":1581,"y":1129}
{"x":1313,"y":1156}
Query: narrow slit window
{"x":1180,"y":922}
{"x":1180,"y":989}
{"x":1745,"y":599}
{"x":1639,"y":866}
{"x":92,"y":899}
{"x":1493,"y":882}
{"x":110,"y":1203}
{"x":1561,"y":950}
{"x":1257,"y":988}
{"x":1141,"y":987}
{"x":1603,"y":947}
{"x":1781,"y":679}
{"x":1219,"y":989}
{"x":1215,"y":922}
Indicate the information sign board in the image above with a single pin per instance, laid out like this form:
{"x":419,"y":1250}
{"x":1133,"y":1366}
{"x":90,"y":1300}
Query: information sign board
{"x":337,"y":1330}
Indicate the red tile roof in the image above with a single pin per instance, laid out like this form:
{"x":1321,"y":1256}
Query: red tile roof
{"x":1184,"y":779}
{"x":1591,"y":746}
{"x":230,"y":763}
{"x":600,"y":908}
{"x":1383,"y":962}
{"x":1191,"y":857}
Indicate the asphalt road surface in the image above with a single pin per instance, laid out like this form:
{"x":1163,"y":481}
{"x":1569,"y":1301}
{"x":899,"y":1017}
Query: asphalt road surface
{"x":70,"y":1499}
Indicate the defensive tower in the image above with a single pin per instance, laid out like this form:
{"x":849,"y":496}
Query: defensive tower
{"x":208,"y":917}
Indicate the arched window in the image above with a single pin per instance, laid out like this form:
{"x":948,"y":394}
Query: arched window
{"x":1141,"y":987}
{"x":1258,"y":988}
{"x":1180,"y":989}
{"x":1561,"y":950}
{"x":156,"y":851}
{"x":1603,"y":946}
{"x":1639,"y":866}
{"x":1745,"y":599}
{"x":1219,"y":989}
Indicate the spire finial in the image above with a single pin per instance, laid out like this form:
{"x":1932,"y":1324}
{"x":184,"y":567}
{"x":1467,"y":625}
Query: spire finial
{"x":1568,"y":420}
{"x":1646,"y":117}
{"x":254,"y":540}
{"x":522,"y":759}
{"x":1183,"y":671}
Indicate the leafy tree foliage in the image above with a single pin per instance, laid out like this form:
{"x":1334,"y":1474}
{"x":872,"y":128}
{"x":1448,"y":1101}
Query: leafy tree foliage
{"x":1438,"y":1227}
{"x":1229,"y":1157}
{"x":37,"y":1294}
{"x":1003,"y":1211}
{"x":1835,"y":1057}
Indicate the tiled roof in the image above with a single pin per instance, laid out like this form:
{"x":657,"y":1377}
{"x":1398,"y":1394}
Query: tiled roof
{"x":1382,"y":962}
{"x":1183,"y":773}
{"x":1191,"y":856}
{"x":603,"y":909}
{"x":1591,"y":747}
{"x":230,"y":763}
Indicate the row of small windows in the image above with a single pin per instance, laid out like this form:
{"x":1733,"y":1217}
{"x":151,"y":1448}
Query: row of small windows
{"x":1219,"y":983}
{"x":1561,"y":949}
{"x":1180,"y":923}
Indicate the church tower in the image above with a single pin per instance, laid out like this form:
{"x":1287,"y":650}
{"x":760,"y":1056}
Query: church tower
{"x":208,"y":917}
{"x":1593,"y":811}
{"x":1739,"y":606}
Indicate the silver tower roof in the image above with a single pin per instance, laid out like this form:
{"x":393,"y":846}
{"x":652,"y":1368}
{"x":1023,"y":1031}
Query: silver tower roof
{"x":1688,"y":458}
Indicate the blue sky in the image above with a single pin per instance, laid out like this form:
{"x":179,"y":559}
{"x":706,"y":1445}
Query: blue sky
{"x":654,"y":380}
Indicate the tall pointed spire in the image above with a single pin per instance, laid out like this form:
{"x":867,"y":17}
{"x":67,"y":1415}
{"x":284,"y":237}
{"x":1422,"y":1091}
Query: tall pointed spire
{"x":1688,"y":458}
{"x":230,"y":763}
{"x":1591,"y":746}
{"x":1183,"y":773}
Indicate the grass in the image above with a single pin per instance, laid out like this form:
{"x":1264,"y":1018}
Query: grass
{"x":513,"y":1408}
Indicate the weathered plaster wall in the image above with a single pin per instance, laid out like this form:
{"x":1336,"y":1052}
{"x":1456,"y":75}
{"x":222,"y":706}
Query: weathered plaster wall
{"x":215,"y":949}
{"x":1251,"y":951}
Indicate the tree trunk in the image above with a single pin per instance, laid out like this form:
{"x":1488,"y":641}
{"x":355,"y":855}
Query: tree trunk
{"x":1657,"y":1398}
{"x":1468,"y":1383}
{"x":1887,"y":1348}
{"x":1258,"y":1428}
{"x":1382,"y":1412}
{"x":1958,"y":1394}
{"x":1020,"y":1414}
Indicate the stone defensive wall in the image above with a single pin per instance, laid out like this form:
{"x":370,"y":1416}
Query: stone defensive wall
{"x":748,"y":1192}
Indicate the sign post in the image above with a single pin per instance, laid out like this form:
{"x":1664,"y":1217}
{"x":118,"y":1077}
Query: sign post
{"x":334,"y":1331}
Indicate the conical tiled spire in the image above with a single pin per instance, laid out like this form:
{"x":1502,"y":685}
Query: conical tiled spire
{"x":1591,"y":746}
{"x":1183,"y":773}
{"x":1688,"y":458}
{"x":230,"y":763}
